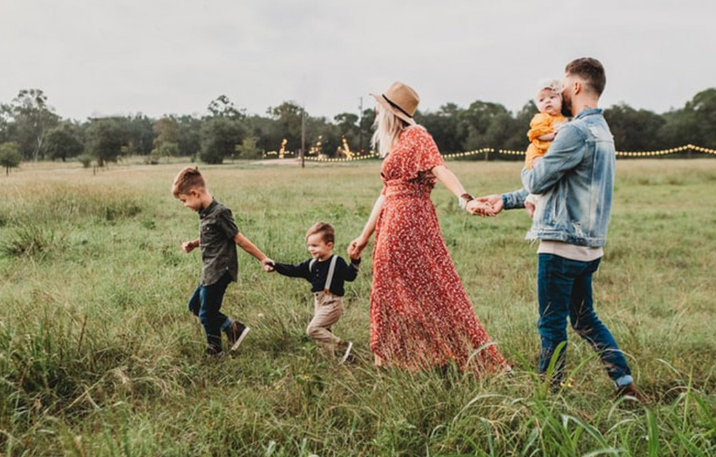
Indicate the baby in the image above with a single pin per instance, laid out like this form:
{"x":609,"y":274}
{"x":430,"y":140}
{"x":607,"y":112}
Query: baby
{"x":545,"y":124}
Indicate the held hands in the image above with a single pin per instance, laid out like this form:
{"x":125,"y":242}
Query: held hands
{"x":489,"y":205}
{"x":268,"y":265}
{"x":480,"y":208}
{"x":356,"y":247}
{"x":495,"y":202}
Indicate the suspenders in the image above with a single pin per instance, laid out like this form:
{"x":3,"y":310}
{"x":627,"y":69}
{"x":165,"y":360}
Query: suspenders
{"x":331,"y":270}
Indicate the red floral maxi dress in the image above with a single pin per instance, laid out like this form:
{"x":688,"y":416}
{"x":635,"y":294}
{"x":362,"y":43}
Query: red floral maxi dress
{"x":420,"y":315}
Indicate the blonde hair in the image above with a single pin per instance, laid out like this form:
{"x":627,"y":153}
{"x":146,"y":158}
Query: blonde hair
{"x":187,"y":180}
{"x":387,"y":129}
{"x":328,"y":234}
{"x":555,"y":85}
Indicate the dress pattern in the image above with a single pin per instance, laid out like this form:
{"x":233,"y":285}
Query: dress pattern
{"x":420,"y":315}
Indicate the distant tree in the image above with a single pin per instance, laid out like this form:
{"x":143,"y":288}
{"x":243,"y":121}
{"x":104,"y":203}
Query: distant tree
{"x":166,"y":139}
{"x":219,"y":137}
{"x":329,"y":134}
{"x":444,"y":126}
{"x":703,"y":109}
{"x":348,"y":128}
{"x":32,"y":118}
{"x":64,"y":141}
{"x":263,"y":129}
{"x":634,"y":130}
{"x":247,"y":149}
{"x":105,"y":139}
{"x":222,"y":106}
{"x":139,"y":134}
{"x":10,"y":156}
{"x":5,"y":122}
{"x":189,"y":135}
{"x":288,"y":123}
{"x":477,"y":121}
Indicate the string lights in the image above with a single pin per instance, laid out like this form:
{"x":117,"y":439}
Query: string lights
{"x":661,"y":152}
{"x":371,"y":155}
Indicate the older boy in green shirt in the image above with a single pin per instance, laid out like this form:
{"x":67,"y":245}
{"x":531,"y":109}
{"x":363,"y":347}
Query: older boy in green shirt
{"x":218,"y":237}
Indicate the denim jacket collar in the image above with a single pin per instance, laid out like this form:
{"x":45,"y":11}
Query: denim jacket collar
{"x":588,"y":112}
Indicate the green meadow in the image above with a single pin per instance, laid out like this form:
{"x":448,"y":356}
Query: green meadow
{"x":100,"y":357}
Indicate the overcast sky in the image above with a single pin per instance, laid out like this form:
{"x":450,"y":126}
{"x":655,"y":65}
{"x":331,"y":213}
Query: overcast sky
{"x":104,"y":57}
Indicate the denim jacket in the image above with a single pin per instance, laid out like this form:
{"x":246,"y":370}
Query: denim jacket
{"x":576,"y":180}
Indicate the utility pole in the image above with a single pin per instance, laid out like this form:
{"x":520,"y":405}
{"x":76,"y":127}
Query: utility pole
{"x":360,"y":125}
{"x":303,"y":137}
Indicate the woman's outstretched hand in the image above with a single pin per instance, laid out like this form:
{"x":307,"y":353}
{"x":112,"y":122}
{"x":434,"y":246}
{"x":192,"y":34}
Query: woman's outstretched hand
{"x":356,"y":247}
{"x":495,"y":201}
{"x":480,"y":208}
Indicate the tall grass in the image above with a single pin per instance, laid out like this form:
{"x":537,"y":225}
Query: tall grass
{"x":98,"y":355}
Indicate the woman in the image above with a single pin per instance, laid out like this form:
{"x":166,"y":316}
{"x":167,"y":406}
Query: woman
{"x":421,"y":317}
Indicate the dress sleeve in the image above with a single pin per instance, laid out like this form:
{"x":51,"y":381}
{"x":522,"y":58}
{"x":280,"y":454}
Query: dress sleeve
{"x":424,"y":152}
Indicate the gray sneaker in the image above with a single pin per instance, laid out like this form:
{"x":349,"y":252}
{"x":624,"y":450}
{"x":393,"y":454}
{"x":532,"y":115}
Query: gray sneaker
{"x":236,"y":334}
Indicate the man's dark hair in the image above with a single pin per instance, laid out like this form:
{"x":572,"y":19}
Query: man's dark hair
{"x":591,"y":71}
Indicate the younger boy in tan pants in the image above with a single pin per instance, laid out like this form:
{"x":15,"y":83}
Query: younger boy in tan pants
{"x":326,"y":273}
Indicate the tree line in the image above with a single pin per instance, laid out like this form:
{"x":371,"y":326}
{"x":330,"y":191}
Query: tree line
{"x":30,"y":129}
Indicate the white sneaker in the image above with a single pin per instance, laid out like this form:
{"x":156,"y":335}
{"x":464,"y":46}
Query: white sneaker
{"x":236,"y":333}
{"x":347,"y":353}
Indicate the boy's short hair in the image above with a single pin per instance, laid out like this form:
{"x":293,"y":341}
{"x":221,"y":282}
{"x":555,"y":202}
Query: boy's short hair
{"x":555,"y":85}
{"x":591,"y":71}
{"x":188,"y":179}
{"x":326,"y":230}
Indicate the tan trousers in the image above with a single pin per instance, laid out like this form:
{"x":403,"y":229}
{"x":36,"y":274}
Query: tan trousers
{"x":328,"y":309}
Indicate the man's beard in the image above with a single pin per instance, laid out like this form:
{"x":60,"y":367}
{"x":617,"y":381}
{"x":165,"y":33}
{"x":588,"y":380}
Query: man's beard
{"x":566,"y":107}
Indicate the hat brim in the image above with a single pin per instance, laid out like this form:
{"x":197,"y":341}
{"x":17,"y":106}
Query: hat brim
{"x":379,"y":98}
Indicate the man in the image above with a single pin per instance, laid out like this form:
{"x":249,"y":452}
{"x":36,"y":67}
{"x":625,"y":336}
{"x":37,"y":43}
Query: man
{"x":576,"y":180}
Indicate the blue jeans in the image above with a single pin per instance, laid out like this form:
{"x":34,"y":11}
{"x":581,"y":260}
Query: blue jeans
{"x":205,"y":303}
{"x":564,"y":288}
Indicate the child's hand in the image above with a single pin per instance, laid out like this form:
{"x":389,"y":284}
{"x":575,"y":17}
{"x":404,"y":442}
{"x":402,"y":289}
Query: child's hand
{"x":535,"y":160}
{"x":530,"y":208}
{"x":495,"y":201}
{"x":356,"y":247}
{"x":268,"y":265}
{"x":188,"y":246}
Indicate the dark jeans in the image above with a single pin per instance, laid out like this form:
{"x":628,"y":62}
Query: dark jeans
{"x":564,"y":288}
{"x":205,"y":303}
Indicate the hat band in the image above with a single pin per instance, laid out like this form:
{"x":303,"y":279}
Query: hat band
{"x":390,"y":102}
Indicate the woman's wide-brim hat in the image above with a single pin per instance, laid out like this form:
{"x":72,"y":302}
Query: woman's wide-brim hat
{"x":401,"y":100}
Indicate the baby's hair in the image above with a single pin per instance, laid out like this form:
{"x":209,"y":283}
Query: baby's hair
{"x":325,"y":229}
{"x":555,"y":85}
{"x":552,"y":84}
{"x":187,"y":180}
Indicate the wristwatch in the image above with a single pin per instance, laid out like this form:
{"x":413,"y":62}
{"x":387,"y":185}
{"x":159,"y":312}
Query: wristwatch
{"x":464,"y":198}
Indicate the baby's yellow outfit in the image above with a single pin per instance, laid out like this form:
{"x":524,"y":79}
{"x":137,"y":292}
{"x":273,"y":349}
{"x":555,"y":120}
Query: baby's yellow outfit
{"x":541,"y":124}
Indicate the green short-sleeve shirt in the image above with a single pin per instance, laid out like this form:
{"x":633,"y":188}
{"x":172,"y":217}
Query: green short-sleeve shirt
{"x":217,"y":230}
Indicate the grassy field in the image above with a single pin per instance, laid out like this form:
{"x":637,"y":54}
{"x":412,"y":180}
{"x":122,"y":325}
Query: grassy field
{"x":99,"y":357}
